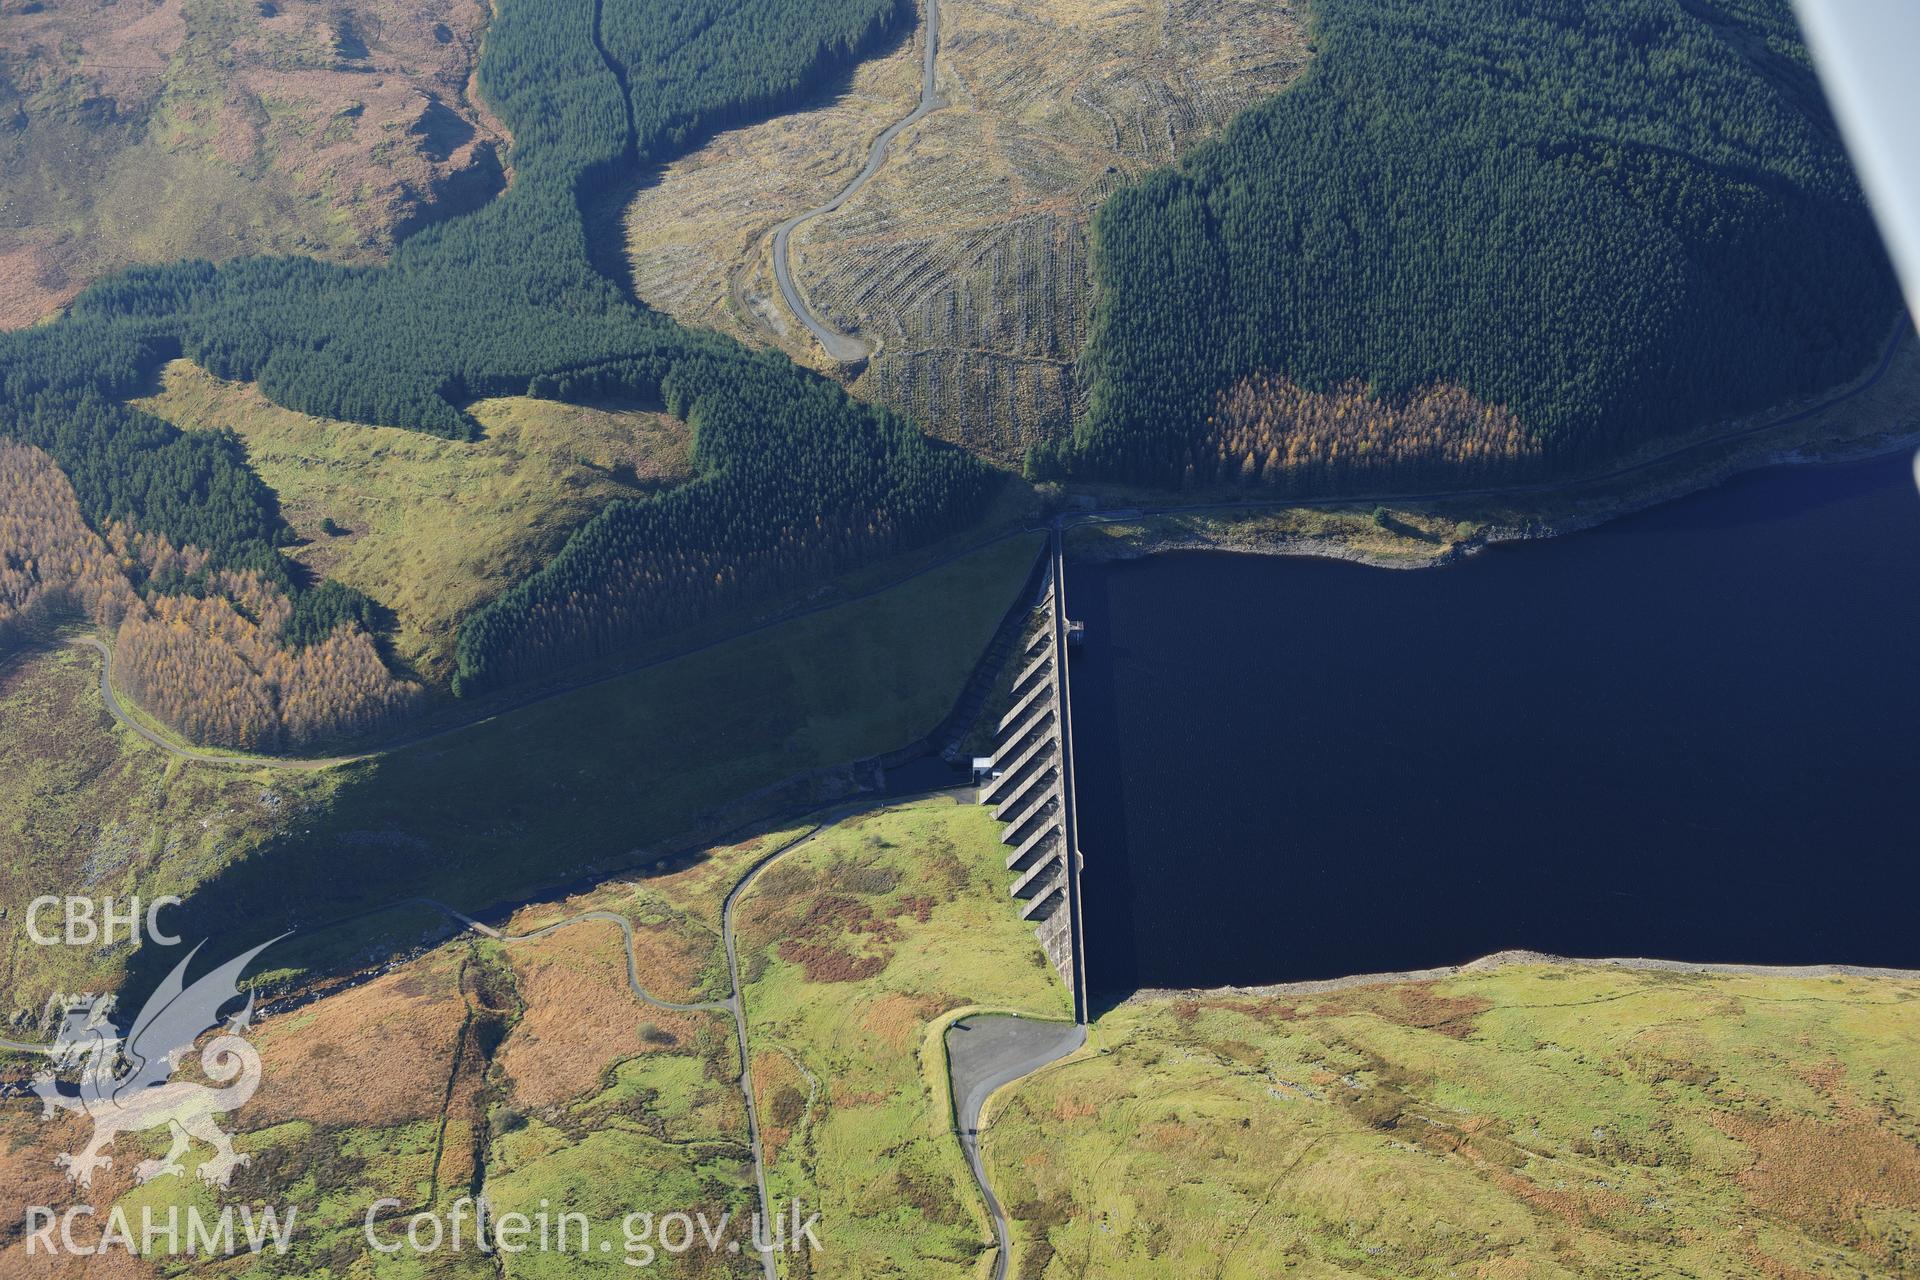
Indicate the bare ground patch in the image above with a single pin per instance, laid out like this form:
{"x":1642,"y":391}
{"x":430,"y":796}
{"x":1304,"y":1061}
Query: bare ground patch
{"x":966,"y":258}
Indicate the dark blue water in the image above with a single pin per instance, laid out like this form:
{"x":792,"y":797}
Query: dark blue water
{"x":1691,"y":734}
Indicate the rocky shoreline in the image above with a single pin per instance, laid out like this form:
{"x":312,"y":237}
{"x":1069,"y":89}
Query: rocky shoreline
{"x":1508,"y":959}
{"x":1251,"y":541}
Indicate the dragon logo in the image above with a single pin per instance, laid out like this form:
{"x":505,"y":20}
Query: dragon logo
{"x":125,"y":1084}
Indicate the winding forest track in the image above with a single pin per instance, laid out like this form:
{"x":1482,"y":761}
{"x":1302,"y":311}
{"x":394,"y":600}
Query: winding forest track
{"x":194,"y":754}
{"x":844,"y":348}
{"x":299,"y":763}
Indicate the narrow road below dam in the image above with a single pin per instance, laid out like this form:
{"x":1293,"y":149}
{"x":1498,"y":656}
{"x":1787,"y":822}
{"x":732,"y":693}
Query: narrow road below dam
{"x":985,"y":1052}
{"x":842,"y":347}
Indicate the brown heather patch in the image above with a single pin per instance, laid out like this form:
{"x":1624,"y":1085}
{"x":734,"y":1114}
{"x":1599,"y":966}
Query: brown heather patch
{"x":1589,"y":1207}
{"x":667,"y":957}
{"x":124,"y":53}
{"x":825,"y":962}
{"x":216,"y":130}
{"x":1410,"y":1004}
{"x":897,"y":1020}
{"x":1824,"y":1077}
{"x":375,"y":1055}
{"x":580,"y":1017}
{"x":843,"y":1095}
{"x":814,"y":938}
{"x":1068,"y":1109}
{"x":15,"y":1264}
{"x":1771,"y":1267}
{"x":1168,"y":1136}
{"x":1821,"y":1172}
{"x":780,"y":1092}
{"x":34,"y":287}
{"x":28,"y":1175}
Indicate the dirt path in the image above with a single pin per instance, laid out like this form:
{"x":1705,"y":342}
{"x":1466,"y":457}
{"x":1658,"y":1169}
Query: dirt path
{"x":845,"y":348}
{"x":732,"y":1004}
{"x":198,"y":756}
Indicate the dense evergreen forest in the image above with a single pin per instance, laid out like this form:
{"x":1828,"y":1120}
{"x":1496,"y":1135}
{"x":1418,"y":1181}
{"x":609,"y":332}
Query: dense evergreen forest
{"x":793,"y":476}
{"x":1612,"y":220}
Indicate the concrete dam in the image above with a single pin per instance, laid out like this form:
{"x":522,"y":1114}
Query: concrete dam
{"x":1029,"y":782}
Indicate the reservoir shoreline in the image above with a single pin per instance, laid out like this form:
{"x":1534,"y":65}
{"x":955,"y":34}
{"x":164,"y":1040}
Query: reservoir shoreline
{"x":1684,"y":735}
{"x":1876,"y":414}
{"x":1514,"y":958}
{"x":1220,"y":537}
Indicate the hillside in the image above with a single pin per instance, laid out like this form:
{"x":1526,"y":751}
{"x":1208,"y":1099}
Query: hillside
{"x":1541,"y":1120}
{"x":1537,"y":1119}
{"x":792,"y":482}
{"x":146,"y":131}
{"x":966,"y":259}
{"x":584,"y":782}
{"x":429,"y":528}
{"x":1494,"y":241}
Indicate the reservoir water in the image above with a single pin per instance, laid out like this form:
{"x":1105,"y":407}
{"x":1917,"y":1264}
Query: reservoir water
{"x":1693,"y":734}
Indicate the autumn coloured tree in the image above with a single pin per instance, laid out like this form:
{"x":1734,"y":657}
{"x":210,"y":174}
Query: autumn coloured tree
{"x":1267,"y":431}
{"x":214,"y":665}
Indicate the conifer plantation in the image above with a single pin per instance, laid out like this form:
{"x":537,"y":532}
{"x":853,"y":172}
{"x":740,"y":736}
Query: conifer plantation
{"x":793,"y":478}
{"x":1609,"y":221}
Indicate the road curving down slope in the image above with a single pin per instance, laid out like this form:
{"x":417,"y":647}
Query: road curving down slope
{"x":844,"y":348}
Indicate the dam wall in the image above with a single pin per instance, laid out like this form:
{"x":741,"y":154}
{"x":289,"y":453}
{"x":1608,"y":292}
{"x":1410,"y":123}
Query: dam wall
{"x":1028,"y":782}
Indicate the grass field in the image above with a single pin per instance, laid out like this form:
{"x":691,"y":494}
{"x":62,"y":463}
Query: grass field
{"x":1527,"y":1121}
{"x":432,"y":528}
{"x":966,"y":258}
{"x":88,"y":808}
{"x":602,"y":778}
{"x":171,"y":129}
{"x":852,"y":950}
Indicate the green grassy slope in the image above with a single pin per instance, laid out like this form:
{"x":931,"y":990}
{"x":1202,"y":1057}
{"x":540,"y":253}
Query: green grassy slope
{"x":1532,"y":1121}
{"x":852,"y":951}
{"x":433,"y":528}
{"x":596,"y":779}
